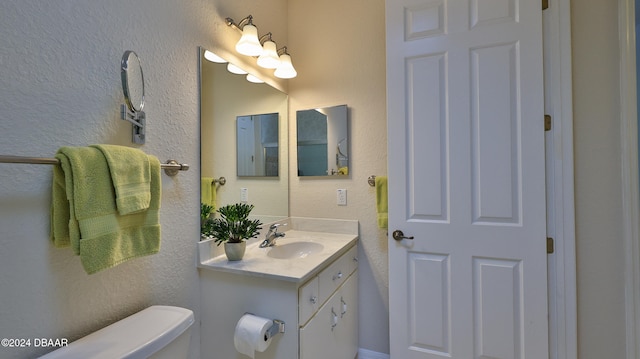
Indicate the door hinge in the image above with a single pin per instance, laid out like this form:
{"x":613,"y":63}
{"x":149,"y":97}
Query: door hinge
{"x":547,"y":122}
{"x":550,"y":245}
{"x":545,"y":4}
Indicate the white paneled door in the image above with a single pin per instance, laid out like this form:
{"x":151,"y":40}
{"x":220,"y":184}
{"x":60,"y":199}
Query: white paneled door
{"x":466,"y":179}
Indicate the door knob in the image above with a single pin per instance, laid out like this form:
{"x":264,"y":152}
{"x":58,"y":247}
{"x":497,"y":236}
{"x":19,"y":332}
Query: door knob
{"x":398,"y":235}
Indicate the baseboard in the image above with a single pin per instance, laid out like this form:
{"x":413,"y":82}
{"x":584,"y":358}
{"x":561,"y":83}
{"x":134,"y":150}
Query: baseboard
{"x":369,"y":354}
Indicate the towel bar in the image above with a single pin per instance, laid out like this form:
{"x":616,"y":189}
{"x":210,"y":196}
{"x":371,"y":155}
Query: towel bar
{"x":221,"y":181}
{"x":171,"y":168}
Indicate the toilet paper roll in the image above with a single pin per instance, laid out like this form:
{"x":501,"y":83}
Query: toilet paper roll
{"x":250,"y":334}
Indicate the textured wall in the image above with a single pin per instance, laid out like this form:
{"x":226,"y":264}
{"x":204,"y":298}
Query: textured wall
{"x":339,"y":52}
{"x":599,"y":246}
{"x":60,"y":85}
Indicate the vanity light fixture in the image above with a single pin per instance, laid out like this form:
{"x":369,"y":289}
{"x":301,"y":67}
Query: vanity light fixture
{"x":264,"y":48}
{"x":249,"y":44}
{"x":213,"y":57}
{"x":269,"y":58}
{"x":285,"y":70}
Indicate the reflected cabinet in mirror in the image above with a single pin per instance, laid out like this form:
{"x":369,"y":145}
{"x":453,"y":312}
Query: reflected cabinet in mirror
{"x":243,"y":137}
{"x":323,"y":141}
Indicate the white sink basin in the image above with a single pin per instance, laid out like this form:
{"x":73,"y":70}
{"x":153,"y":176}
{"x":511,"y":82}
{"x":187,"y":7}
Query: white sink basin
{"x":297,"y":257}
{"x":293,"y":250}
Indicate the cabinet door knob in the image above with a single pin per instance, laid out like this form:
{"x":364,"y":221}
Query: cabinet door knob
{"x":313,"y":299}
{"x":344,"y":307}
{"x":338,"y":275}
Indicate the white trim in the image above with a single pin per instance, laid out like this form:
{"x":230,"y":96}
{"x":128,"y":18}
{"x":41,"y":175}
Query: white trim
{"x":559,"y":104}
{"x":629,"y":153}
{"x":369,"y":354}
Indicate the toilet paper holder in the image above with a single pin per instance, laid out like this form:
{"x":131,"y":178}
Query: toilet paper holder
{"x":275,"y":329}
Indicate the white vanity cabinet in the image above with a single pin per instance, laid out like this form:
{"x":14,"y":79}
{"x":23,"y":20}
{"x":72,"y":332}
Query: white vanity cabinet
{"x":315,"y":296}
{"x":328,"y":311}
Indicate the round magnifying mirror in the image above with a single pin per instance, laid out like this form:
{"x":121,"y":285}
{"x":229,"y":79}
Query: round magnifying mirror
{"x":132,"y":81}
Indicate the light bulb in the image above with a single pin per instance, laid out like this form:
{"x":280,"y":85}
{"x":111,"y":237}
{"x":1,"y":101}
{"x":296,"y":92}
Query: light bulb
{"x":235,"y":69}
{"x":213,"y":57}
{"x":269,"y":58}
{"x":249,"y":44}
{"x":254,"y":79}
{"x":285,"y":70}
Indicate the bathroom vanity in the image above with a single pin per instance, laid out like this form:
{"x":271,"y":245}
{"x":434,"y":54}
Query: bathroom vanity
{"x":309,"y":280}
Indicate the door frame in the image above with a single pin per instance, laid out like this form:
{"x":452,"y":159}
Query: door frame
{"x":563,"y":325}
{"x":630,"y":190}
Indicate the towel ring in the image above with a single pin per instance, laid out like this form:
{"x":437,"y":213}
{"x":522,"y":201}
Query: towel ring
{"x":372,"y":180}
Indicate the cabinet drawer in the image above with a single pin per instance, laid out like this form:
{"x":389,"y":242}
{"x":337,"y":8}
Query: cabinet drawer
{"x":332,"y":277}
{"x":308,"y":301}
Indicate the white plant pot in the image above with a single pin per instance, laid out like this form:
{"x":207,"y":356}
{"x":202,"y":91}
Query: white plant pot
{"x":235,"y":251}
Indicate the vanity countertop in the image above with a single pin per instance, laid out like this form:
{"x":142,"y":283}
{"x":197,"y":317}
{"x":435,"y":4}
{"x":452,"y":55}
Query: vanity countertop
{"x":258,"y":263}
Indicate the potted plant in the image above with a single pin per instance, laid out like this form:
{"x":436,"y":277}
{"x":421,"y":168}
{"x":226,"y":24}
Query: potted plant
{"x":205,"y":220}
{"x":233,"y":228}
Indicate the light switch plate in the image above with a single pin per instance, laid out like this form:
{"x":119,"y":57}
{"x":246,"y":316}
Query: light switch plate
{"x":244,"y":194}
{"x":342,"y":197}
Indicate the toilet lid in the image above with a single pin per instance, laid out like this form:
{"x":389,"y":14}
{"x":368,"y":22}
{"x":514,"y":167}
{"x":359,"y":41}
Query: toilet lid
{"x":137,"y":336}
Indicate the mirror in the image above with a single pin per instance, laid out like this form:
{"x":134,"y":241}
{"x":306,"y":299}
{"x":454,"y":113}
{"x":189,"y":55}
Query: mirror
{"x":257,"y":140}
{"x":323,"y":141}
{"x":225,"y":97}
{"x":133,"y":89}
{"x":132,"y":81}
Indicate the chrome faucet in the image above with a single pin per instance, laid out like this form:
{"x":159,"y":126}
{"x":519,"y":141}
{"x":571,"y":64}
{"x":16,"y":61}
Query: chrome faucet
{"x":272,"y":235}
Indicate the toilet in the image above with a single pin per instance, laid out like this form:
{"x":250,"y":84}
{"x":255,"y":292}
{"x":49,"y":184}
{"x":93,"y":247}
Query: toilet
{"x":156,"y":332}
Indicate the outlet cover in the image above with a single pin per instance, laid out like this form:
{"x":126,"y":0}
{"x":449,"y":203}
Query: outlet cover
{"x":244,"y":194}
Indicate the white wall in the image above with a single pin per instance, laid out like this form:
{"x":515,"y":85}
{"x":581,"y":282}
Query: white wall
{"x":338,"y":48}
{"x":599,"y":245}
{"x":60,"y":74}
{"x":60,"y":85}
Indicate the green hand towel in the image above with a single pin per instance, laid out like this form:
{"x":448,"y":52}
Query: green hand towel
{"x":208,"y":191}
{"x":381,"y":201}
{"x":84,"y":202}
{"x":129,"y":168}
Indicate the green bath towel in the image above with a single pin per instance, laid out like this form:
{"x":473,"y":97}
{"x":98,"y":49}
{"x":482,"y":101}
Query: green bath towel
{"x":208,"y":191}
{"x":382,"y":201}
{"x":84,"y":213}
{"x":129,"y":168}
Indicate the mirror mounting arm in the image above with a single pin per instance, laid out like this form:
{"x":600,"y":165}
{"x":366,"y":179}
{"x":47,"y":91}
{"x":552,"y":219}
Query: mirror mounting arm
{"x":133,"y":90}
{"x":137,"y":120}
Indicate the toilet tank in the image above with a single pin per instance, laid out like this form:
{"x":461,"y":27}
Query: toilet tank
{"x":156,"y":332}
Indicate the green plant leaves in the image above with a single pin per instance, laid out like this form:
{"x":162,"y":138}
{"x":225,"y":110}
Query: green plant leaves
{"x":234,"y":224}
